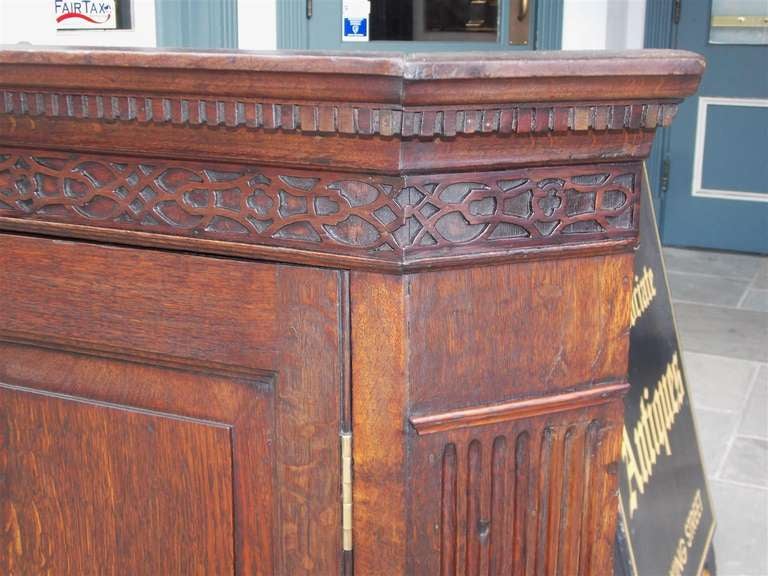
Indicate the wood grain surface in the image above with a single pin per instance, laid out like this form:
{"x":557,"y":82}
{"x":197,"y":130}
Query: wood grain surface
{"x":237,"y":346}
{"x":77,"y":505}
{"x":214,"y":264}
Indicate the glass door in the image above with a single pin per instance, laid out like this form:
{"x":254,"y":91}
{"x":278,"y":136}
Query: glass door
{"x":420,"y":25}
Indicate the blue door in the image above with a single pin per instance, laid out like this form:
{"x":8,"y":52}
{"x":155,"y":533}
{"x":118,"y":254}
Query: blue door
{"x":202,"y":24}
{"x":717,"y":155}
{"x":419,"y":25}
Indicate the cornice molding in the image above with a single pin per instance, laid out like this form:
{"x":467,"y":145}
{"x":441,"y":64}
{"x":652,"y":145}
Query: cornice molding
{"x":400,"y":80}
{"x":378,"y":161}
{"x":348,"y":119}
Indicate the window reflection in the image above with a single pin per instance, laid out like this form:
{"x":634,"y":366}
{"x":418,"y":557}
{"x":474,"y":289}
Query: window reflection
{"x":435,"y":20}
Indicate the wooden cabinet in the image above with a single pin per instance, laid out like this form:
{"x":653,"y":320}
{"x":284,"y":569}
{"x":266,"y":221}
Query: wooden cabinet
{"x":311,"y":314}
{"x":166,"y":413}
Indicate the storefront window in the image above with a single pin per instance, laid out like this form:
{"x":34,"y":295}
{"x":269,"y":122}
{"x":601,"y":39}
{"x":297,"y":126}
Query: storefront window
{"x":435,"y":20}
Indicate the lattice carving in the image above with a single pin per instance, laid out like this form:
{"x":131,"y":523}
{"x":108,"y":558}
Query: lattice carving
{"x":333,"y":212}
{"x":359,"y":119}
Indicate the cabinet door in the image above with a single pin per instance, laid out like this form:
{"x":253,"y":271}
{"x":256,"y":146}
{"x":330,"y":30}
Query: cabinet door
{"x":163,"y":413}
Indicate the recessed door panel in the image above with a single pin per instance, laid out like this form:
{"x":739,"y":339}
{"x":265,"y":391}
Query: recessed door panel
{"x":104,"y":489}
{"x":164,"y":413}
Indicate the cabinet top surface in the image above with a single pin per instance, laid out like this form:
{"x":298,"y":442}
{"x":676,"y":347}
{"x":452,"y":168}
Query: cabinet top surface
{"x":410,"y":66}
{"x":400,"y":78}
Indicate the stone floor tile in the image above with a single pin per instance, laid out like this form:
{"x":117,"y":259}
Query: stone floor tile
{"x":747,"y":461}
{"x":761,"y":278}
{"x":755,"y":418}
{"x":716,"y":290}
{"x":714,"y":430}
{"x":755,"y":300}
{"x":712,"y":263}
{"x":718,"y":382}
{"x":729,"y":390}
{"x":741,"y":536}
{"x":723,"y":331}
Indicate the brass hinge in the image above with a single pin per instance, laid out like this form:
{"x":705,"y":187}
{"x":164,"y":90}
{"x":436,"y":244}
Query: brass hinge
{"x":346,"y":490}
{"x":677,"y":8}
{"x":666,"y":165}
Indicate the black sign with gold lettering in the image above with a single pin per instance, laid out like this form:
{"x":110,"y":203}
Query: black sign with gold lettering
{"x":666,"y":519}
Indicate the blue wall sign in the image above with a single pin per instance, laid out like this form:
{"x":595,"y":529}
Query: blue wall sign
{"x":354,"y":20}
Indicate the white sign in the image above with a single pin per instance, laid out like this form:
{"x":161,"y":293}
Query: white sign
{"x":354,"y":20}
{"x":85,"y":14}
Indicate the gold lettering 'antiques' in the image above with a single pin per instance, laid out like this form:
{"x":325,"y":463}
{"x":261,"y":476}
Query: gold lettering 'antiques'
{"x":642,"y":294}
{"x":651,"y":433}
{"x":667,"y":528}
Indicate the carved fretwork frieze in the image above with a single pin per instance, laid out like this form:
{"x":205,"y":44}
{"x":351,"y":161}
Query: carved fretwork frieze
{"x":377,"y":218}
{"x":348,"y":118}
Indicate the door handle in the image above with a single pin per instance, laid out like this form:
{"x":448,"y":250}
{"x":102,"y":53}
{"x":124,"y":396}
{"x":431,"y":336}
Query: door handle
{"x":522,"y":11}
{"x":309,"y":9}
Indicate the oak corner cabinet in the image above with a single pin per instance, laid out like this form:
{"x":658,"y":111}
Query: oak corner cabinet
{"x":314,"y":313}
